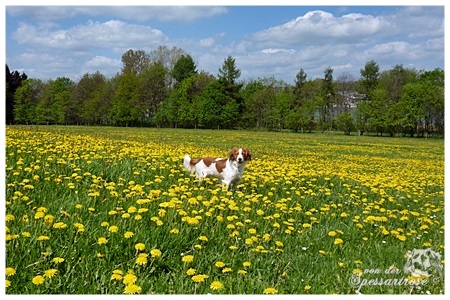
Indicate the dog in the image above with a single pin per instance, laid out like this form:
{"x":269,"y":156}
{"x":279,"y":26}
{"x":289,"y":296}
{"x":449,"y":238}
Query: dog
{"x":228,"y":170}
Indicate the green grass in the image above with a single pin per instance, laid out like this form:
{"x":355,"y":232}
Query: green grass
{"x":380,"y":196}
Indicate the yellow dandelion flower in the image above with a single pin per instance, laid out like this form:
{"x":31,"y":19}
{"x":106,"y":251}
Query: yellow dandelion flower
{"x":50,"y":273}
{"x":220,"y":264}
{"x":43,"y":238}
{"x":338,"y":241}
{"x":232,"y":247}
{"x":129,"y":278}
{"x":307,"y":288}
{"x":242,"y":272}
{"x":128,"y":234}
{"x":187,"y":258}
{"x":10,"y":271}
{"x":9,"y":217}
{"x":332,"y":233}
{"x":190,"y":272}
{"x":58,"y":260}
{"x":174,"y":231}
{"x":39,"y":215}
{"x":7,"y":283}
{"x":139,"y":246}
{"x":141,"y":259}
{"x":113,"y":228}
{"x":226,"y":270}
{"x":216,"y":285}
{"x":155,"y":253}
{"x":102,"y":240}
{"x":59,"y":225}
{"x":132,"y":289}
{"x":203,"y":238}
{"x":246,"y":264}
{"x":199,"y":278}
{"x":270,"y":290}
{"x":38,"y":280}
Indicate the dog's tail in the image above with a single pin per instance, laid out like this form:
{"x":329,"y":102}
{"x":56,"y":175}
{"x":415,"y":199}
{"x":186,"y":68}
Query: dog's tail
{"x":187,"y":164}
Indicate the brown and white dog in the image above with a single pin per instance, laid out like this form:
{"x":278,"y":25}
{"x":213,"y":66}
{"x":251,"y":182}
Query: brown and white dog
{"x":228,"y":170}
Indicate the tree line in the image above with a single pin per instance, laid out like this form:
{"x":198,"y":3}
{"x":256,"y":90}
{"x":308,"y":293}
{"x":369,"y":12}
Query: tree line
{"x":164,"y":88}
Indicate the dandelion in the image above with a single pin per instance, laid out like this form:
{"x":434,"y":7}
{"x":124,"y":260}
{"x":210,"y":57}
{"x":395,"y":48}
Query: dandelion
{"x":226,"y":270}
{"x":270,"y":290}
{"x":155,"y":253}
{"x":9,"y":217}
{"x":39,"y":215}
{"x":242,"y":272}
{"x":332,"y":233}
{"x":113,"y":229}
{"x":174,"y":231}
{"x":220,"y":264}
{"x":58,"y":260}
{"x":199,"y":278}
{"x":50,"y":273}
{"x":139,"y":247}
{"x":59,"y":225}
{"x":132,"y":289}
{"x":10,"y":271}
{"x":338,"y":241}
{"x":43,"y":238}
{"x":7,"y":283}
{"x":190,"y":272}
{"x":357,"y":271}
{"x":187,"y":258}
{"x":38,"y":280}
{"x":307,"y":288}
{"x":203,"y":238}
{"x":116,"y":276}
{"x":246,"y":264}
{"x":129,"y":278}
{"x":128,"y":234}
{"x":102,"y":241}
{"x":216,"y":285}
{"x":79,"y":226}
{"x":141,"y":259}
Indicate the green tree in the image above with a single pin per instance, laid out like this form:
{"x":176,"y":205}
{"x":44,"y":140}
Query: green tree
{"x":152,"y":89}
{"x":368,"y":82}
{"x":123,"y":106}
{"x":328,"y":96}
{"x":184,"y":68}
{"x":13,"y":82}
{"x":345,"y":122}
{"x":89,"y":105}
{"x":229,"y":72}
{"x":135,"y":61}
{"x":26,"y":99}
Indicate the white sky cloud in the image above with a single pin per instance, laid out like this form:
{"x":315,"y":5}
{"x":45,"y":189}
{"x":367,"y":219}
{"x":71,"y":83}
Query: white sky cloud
{"x":50,"y":42}
{"x":108,"y":34}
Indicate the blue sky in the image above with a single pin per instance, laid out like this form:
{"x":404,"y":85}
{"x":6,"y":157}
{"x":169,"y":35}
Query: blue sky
{"x":47,"y":42}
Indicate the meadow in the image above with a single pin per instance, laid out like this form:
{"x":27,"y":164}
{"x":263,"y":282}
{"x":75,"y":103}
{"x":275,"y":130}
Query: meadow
{"x":100,"y":210}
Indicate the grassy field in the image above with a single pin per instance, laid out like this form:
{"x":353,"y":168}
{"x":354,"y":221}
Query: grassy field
{"x":94,"y":210}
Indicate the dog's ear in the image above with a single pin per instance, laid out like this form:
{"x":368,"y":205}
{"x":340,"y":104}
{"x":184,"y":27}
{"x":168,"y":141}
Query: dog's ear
{"x":231,"y":154}
{"x":247,"y":153}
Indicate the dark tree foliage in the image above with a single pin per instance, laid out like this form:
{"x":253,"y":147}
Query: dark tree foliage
{"x":13,"y":82}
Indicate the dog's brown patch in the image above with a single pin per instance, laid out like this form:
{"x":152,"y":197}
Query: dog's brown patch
{"x":220,"y":163}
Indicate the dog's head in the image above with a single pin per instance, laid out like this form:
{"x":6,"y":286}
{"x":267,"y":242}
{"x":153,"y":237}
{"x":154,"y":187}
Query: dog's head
{"x":240,"y":155}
